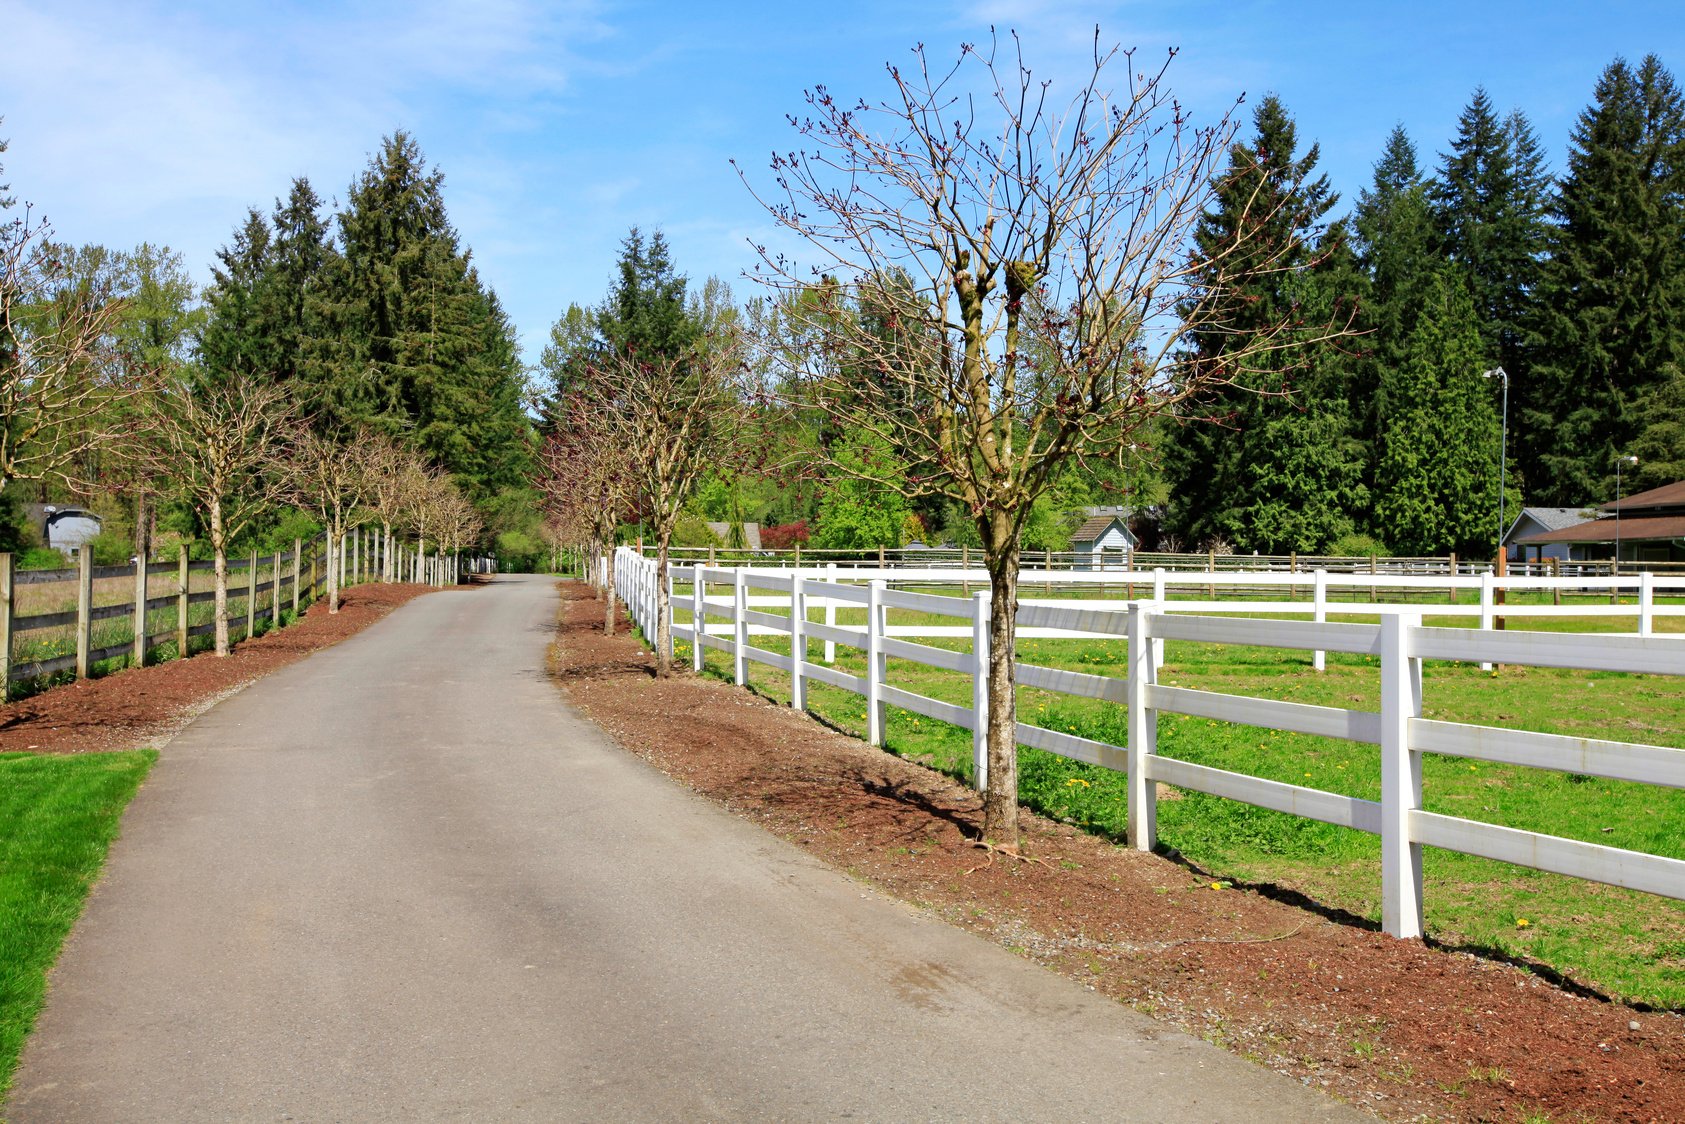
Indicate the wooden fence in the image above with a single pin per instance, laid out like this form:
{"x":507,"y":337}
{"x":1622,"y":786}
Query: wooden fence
{"x":1400,"y":642}
{"x":53,"y":622}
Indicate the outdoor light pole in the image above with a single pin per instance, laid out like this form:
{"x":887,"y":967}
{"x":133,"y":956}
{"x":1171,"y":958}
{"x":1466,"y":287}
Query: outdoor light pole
{"x":1503,"y":451}
{"x":1619,"y":461}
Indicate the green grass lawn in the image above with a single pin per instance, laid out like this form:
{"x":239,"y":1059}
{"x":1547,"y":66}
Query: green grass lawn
{"x":1624,"y":943}
{"x":58,"y":816}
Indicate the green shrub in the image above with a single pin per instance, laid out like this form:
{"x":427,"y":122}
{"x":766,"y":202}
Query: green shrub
{"x":1355,"y":545}
{"x":42,"y":558}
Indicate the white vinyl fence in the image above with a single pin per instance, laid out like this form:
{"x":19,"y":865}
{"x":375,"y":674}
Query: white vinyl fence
{"x":1400,"y":641}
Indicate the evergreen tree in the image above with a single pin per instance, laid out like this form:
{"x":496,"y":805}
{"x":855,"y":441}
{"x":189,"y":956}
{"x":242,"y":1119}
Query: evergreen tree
{"x":1400,"y":255}
{"x":1436,"y":486}
{"x":234,"y":339}
{"x":301,"y":258}
{"x":1270,"y":202}
{"x":645,"y":311}
{"x":1612,"y":297}
{"x":1660,"y":443}
{"x":1489,"y":208}
{"x":413,"y":345}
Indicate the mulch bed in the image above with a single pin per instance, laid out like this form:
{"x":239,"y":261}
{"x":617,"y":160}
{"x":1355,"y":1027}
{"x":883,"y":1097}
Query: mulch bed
{"x":145,"y":706}
{"x":1399,"y":1028}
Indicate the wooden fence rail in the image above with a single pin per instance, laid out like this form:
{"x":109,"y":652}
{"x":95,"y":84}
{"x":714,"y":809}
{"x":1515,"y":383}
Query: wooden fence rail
{"x":140,"y":597}
{"x":1400,"y":642}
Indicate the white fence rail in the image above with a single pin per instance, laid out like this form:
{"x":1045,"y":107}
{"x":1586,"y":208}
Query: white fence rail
{"x":1400,"y":641}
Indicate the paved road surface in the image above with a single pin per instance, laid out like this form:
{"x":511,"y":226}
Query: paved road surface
{"x":403,"y":881}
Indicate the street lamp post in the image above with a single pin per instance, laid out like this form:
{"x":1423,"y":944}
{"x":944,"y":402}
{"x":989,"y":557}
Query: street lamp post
{"x":1619,"y":461}
{"x":1503,"y":450}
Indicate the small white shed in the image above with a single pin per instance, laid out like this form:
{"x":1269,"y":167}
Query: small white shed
{"x":1103,"y":542}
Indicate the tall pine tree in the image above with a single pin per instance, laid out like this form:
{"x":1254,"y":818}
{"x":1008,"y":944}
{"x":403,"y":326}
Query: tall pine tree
{"x":1271,"y":194}
{"x":413,"y":344}
{"x":1436,"y":480}
{"x":1489,"y":205}
{"x":1612,"y":297}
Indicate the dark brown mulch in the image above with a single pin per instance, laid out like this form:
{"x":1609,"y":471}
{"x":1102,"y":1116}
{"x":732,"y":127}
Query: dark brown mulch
{"x":1401,"y":1029}
{"x":144,"y":706}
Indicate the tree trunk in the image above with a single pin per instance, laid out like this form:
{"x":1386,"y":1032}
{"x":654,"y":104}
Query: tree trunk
{"x":608,"y":593}
{"x":336,"y":544}
{"x":219,"y":549}
{"x":1000,"y":798}
{"x":663,"y":611}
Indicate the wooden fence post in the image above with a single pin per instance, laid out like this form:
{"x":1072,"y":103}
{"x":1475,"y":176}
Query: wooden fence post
{"x":298,"y":561}
{"x":6,"y":604}
{"x":1401,"y":779}
{"x":275,"y":593}
{"x":980,"y":604}
{"x":84,"y":608}
{"x":1143,"y":727}
{"x":139,"y":657}
{"x":183,"y":577}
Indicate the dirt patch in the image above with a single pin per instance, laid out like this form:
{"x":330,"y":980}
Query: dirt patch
{"x":1399,"y":1028}
{"x":146,"y":706}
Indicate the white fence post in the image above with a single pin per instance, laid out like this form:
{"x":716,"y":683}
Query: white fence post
{"x":1143,"y":727}
{"x":1401,"y":777}
{"x":875,"y":664}
{"x":1487,"y":584}
{"x":980,"y":688}
{"x":1158,"y":599}
{"x":798,"y":640}
{"x":1319,"y":658}
{"x":1646,"y":603}
{"x":831,"y":613}
{"x":698,"y":618}
{"x":740,"y":627}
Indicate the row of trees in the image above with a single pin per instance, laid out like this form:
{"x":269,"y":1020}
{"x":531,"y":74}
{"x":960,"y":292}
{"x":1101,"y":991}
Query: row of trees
{"x":239,"y":414}
{"x":1574,"y":287}
{"x":1004,"y":301}
{"x":648,"y":396}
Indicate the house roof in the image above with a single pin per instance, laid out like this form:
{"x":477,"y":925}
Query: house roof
{"x":1096,"y":527}
{"x":1554,"y":518}
{"x":1633,"y":528}
{"x":1668,"y":495}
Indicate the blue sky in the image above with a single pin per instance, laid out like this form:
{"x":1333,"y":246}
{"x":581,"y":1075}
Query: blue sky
{"x":559,"y":125}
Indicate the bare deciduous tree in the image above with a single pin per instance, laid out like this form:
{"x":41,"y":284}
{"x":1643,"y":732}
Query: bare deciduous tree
{"x":388,"y":471}
{"x":328,"y":480}
{"x":677,"y":417}
{"x":63,"y":374}
{"x":585,"y":479}
{"x":1004,"y":282}
{"x":225,"y":445}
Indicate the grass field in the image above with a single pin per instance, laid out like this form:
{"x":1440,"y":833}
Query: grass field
{"x":1623,"y":943}
{"x":58,"y":816}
